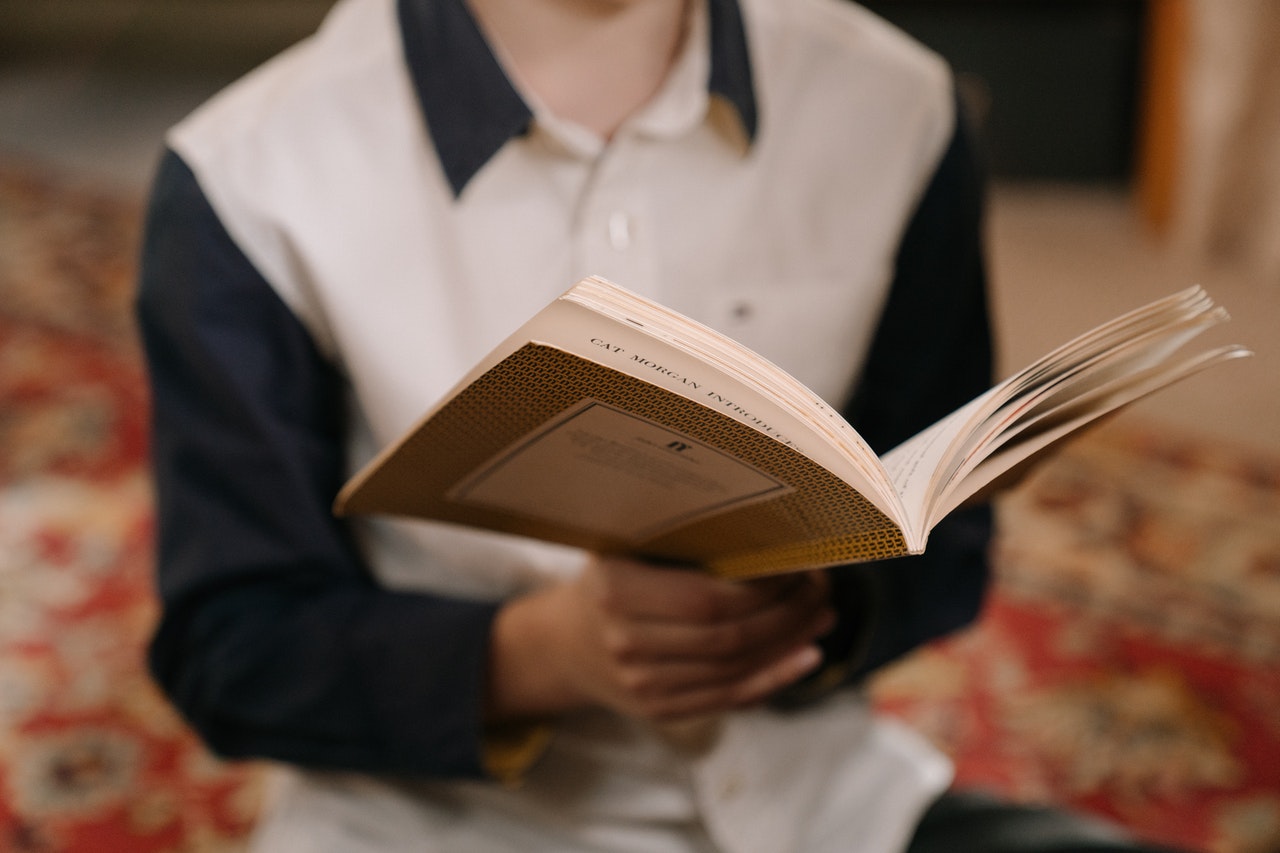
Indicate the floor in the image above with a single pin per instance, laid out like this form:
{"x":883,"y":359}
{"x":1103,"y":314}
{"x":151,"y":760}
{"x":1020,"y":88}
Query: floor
{"x":1065,"y":257}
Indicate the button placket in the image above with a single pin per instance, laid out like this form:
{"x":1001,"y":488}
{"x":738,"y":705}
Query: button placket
{"x":620,"y":230}
{"x":610,"y":226}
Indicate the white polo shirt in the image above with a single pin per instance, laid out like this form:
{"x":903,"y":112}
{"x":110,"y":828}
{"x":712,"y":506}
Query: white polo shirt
{"x":773,"y":208}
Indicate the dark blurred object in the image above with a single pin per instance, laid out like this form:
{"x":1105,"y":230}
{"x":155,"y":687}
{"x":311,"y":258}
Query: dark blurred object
{"x":204,"y":36}
{"x":1054,"y":83}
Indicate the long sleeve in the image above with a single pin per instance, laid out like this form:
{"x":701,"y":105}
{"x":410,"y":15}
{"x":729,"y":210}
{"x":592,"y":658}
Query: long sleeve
{"x":931,"y":354}
{"x":275,"y":641}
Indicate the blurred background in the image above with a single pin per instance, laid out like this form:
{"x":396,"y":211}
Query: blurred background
{"x":1128,"y":662}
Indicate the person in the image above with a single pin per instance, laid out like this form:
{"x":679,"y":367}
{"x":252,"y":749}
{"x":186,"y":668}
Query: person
{"x":335,"y":239}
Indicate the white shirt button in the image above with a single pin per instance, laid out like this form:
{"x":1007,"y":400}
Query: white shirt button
{"x":730,"y":786}
{"x":620,"y":231}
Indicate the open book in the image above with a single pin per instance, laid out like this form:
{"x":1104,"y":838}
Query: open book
{"x":612,"y":423}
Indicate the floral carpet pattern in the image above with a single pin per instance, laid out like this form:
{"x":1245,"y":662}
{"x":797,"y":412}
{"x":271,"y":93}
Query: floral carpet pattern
{"x":91,"y":757}
{"x":1128,"y":661}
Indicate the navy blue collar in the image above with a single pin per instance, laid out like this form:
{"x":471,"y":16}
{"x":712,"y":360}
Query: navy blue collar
{"x":470,"y":106}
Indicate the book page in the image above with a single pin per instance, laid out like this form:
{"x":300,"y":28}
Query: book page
{"x":633,"y":479}
{"x":836,"y":445}
{"x":911,"y":466}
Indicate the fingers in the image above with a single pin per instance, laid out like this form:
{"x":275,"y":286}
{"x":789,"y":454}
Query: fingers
{"x":702,"y":697}
{"x":637,"y":590}
{"x":800,"y":616}
{"x":680,"y":644}
{"x":654,"y":643}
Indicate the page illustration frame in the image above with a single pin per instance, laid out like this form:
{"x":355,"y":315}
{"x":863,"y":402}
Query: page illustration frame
{"x":695,"y":480}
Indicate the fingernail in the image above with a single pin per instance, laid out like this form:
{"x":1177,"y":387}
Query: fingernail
{"x":807,"y":658}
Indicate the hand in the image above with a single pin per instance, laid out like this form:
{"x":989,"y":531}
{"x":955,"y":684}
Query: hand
{"x":655,"y":643}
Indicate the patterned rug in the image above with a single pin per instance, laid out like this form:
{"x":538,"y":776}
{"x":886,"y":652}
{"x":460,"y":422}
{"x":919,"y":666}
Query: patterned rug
{"x":92,"y":760}
{"x":1126,"y":664}
{"x":1128,"y":660}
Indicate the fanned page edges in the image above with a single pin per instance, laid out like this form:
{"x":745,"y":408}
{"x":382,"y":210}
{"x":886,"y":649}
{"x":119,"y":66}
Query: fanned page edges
{"x":817,"y":520}
{"x":1090,"y":376}
{"x":1034,"y":435}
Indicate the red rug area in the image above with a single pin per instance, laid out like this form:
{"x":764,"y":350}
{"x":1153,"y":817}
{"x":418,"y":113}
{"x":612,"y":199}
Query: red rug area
{"x":1128,"y":662}
{"x":91,"y":757}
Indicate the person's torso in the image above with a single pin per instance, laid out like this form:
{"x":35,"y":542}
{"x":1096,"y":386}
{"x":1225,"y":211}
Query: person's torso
{"x":322,"y":169}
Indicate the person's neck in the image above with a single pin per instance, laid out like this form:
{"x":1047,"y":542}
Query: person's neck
{"x":593,"y":62}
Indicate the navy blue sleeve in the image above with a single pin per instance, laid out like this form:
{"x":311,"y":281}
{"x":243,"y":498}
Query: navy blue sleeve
{"x":274,"y":639}
{"x":931,"y":354}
